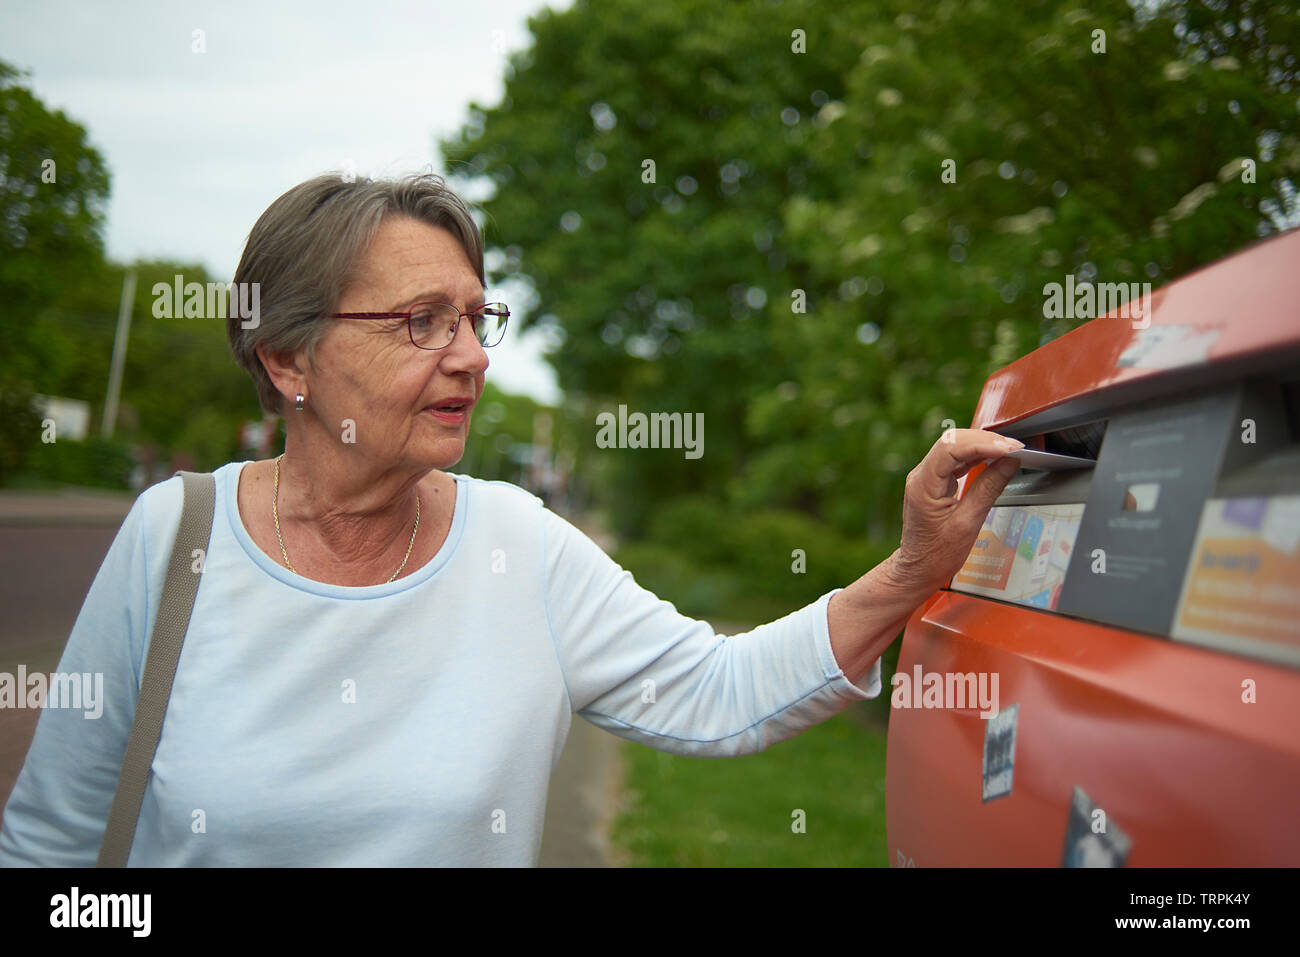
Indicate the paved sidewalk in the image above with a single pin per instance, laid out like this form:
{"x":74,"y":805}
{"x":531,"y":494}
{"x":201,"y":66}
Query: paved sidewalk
{"x":587,"y":780}
{"x":583,"y":800}
{"x":68,"y":506}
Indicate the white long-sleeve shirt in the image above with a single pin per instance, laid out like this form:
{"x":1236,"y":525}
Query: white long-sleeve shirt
{"x":413,"y":723}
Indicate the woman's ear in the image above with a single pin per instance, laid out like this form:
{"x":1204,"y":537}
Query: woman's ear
{"x":285,"y":370}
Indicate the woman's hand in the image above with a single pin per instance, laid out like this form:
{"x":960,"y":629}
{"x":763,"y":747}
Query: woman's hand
{"x":938,"y":533}
{"x":939,"y":530}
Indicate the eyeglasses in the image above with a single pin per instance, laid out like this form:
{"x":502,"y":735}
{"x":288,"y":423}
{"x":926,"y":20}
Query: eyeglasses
{"x":433,"y":325}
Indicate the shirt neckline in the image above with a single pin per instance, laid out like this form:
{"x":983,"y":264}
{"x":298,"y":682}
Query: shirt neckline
{"x":228,"y":486}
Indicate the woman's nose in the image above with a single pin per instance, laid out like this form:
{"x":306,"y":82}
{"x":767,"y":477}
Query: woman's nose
{"x":465,"y":347}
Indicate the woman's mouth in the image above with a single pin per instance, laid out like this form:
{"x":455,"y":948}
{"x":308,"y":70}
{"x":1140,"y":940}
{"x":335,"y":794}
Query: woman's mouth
{"x":453,"y":413}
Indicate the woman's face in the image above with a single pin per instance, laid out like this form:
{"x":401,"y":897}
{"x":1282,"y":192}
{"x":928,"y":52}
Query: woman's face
{"x":368,"y":371}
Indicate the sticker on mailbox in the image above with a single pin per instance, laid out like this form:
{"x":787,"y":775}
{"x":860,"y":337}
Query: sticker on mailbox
{"x":1000,"y":752}
{"x":1242,"y":591}
{"x":1091,"y":838}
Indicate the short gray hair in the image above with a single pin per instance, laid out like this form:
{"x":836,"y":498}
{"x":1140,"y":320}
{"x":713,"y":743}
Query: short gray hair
{"x":306,"y":248}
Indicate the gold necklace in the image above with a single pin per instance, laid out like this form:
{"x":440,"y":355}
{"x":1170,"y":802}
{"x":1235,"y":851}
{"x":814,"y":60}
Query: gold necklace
{"x":275,"y":495}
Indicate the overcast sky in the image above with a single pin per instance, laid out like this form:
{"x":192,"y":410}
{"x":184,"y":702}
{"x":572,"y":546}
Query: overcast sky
{"x":199,"y":144}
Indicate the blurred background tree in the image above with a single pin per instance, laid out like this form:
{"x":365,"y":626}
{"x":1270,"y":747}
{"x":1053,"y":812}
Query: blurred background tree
{"x":53,"y":186}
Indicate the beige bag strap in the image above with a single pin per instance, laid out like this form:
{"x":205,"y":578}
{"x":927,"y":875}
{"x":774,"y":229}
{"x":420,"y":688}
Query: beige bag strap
{"x":179,"y":589}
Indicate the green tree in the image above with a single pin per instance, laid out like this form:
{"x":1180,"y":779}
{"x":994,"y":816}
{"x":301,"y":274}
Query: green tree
{"x":53,"y":185}
{"x":185,"y":390}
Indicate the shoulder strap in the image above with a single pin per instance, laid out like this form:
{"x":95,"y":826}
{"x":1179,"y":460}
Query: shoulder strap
{"x":179,"y":589}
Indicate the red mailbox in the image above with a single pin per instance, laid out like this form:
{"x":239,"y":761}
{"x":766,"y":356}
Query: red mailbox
{"x":1113,"y":677}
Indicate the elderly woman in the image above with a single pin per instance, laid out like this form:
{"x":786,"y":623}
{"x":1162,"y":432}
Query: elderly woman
{"x":384,"y":657}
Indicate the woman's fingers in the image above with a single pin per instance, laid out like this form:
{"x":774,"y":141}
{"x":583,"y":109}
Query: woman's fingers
{"x":939,"y":530}
{"x":988,"y":485}
{"x":953,"y":455}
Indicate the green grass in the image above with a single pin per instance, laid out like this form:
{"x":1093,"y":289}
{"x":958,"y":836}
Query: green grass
{"x":738,"y":812}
